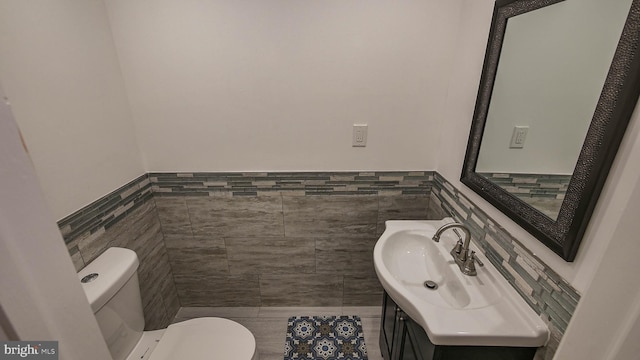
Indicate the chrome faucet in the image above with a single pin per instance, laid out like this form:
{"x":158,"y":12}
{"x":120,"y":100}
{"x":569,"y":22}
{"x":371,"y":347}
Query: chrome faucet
{"x":463,"y":257}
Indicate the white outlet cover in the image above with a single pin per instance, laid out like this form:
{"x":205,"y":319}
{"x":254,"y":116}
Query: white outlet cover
{"x":518,"y":137}
{"x":359,"y":135}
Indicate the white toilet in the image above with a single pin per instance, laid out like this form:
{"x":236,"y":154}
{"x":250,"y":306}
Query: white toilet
{"x":111,"y":285}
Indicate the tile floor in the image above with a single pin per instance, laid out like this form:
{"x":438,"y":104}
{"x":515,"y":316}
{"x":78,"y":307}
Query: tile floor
{"x":269,"y":324}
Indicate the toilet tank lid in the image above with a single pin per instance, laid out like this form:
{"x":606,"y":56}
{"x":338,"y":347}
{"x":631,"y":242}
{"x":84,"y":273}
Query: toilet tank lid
{"x":114,"y":268}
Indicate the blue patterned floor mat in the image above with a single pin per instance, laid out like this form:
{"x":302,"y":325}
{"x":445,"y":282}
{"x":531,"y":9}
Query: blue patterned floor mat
{"x":325,"y":338}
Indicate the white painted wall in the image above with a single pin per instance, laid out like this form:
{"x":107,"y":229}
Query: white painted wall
{"x":60,"y":71}
{"x":41,"y":295}
{"x":626,"y":344}
{"x":277,"y":85}
{"x":606,"y":323}
{"x":552,"y":66}
{"x":476,"y":20}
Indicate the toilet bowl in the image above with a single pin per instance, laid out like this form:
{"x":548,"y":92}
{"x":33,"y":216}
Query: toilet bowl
{"x":111,"y":285}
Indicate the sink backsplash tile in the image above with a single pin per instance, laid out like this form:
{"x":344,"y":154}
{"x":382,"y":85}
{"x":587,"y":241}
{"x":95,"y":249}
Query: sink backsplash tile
{"x":542,"y":288}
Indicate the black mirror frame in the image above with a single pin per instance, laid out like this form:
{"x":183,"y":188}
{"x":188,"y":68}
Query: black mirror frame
{"x":614,"y":110}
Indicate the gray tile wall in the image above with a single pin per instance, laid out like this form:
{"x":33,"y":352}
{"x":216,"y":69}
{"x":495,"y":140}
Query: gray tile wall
{"x":548,"y":294}
{"x":127,"y":218}
{"x":281,"y":239}
{"x":289,"y":239}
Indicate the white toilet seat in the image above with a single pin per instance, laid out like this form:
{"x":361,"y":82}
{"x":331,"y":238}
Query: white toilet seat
{"x":205,"y":338}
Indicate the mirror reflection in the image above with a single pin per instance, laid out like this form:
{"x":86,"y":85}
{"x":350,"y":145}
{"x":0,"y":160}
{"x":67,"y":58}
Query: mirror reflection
{"x":553,"y":64}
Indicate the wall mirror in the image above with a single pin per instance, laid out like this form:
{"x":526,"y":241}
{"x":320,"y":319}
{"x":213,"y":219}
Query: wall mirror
{"x":559,"y":84}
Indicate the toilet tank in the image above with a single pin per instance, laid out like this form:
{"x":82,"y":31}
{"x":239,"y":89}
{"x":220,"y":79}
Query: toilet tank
{"x":110,"y":283}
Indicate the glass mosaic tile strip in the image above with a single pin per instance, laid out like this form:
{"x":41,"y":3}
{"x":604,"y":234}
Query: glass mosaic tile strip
{"x":311,"y":183}
{"x":531,"y":185}
{"x":106,"y":211}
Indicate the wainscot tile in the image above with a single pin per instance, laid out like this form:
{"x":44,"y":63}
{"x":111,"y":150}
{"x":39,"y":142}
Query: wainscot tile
{"x":187,"y":313}
{"x":78,"y":263}
{"x":363,"y":311}
{"x":155,"y":316}
{"x":237,"y":216}
{"x":190,"y":241}
{"x":231,"y":290}
{"x":173,"y":215}
{"x":95,"y":244}
{"x":345,"y":255}
{"x":152,"y":279}
{"x":170,"y":296}
{"x":144,"y":242}
{"x":362,"y":290}
{"x":301,"y":290}
{"x":269,"y":333}
{"x":435,"y":210}
{"x":404,"y":207}
{"x":153,"y":273}
{"x":208,"y":259}
{"x":271,"y":255}
{"x":335,"y":215}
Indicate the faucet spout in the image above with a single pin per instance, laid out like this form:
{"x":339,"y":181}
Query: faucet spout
{"x":445,"y":227}
{"x":460,"y":252}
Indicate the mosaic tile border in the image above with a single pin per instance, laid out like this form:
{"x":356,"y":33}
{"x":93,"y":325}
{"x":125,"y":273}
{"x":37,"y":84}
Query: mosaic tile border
{"x":531,"y":185}
{"x":106,"y":211}
{"x":548,"y":294}
{"x":111,"y":208}
{"x":293,"y":183}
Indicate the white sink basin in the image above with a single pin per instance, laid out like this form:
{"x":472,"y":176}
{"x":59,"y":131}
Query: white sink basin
{"x":482,"y":310}
{"x":411,"y":257}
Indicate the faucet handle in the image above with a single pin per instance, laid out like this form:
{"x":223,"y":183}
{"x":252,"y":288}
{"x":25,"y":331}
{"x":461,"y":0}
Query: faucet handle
{"x":457,"y":234}
{"x":458,"y":248}
{"x":469,"y":267}
{"x":473,"y":255}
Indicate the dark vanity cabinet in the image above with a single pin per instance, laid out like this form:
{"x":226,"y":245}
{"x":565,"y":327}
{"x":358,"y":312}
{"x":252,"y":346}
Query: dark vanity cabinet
{"x":401,"y":338}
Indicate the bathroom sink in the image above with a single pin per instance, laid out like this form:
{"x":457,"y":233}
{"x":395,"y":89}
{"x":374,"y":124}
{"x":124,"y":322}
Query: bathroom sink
{"x":412,"y":258}
{"x":422,"y":277}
